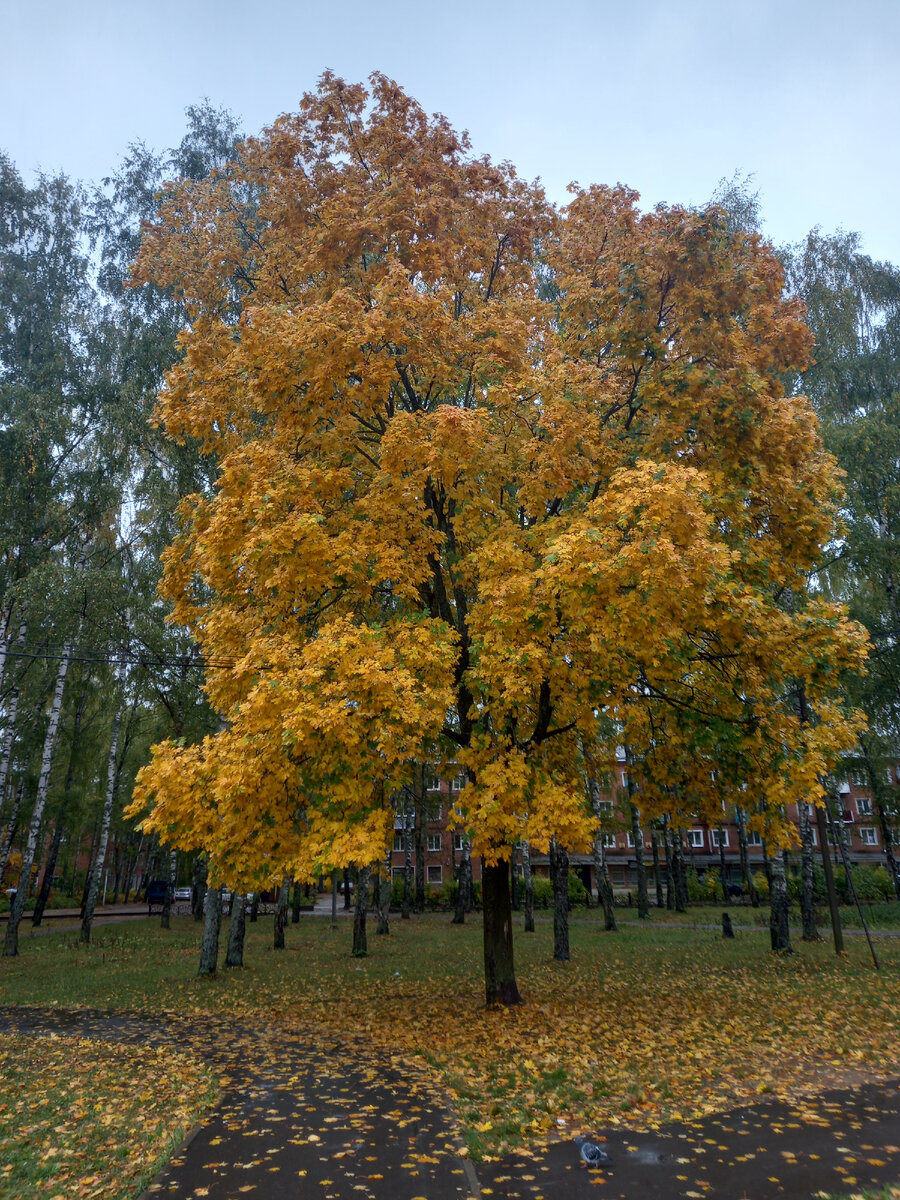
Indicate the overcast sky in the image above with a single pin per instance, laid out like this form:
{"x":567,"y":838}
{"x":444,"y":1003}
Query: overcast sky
{"x":663,"y":95}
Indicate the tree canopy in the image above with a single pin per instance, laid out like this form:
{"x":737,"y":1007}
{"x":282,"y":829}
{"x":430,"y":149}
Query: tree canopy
{"x":490,"y":471}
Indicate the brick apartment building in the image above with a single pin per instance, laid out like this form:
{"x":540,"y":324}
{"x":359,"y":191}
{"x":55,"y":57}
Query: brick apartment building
{"x":859,"y":828}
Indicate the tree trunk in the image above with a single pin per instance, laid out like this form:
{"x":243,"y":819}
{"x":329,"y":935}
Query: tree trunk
{"x":334,"y":899}
{"x":254,"y":908}
{"x":528,"y":880}
{"x":49,"y":872}
{"x":657,"y":873}
{"x":514,"y":873}
{"x":212,"y":921}
{"x":767,"y":864}
{"x":836,"y":929}
{"x":680,"y":872}
{"x":637,"y":836}
{"x":464,"y":882}
{"x":383,"y":903}
{"x":9,"y":735}
{"x":604,"y":887}
{"x":601,"y":871}
{"x":12,"y":828}
{"x":779,"y":927}
{"x":499,"y":970}
{"x":419,"y":903}
{"x":348,"y":888}
{"x":281,"y":913}
{"x":9,"y":738}
{"x":96,"y":869}
{"x":360,"y":947}
{"x":11,"y":945}
{"x":670,"y":874}
{"x":559,"y":876}
{"x":807,"y":876}
{"x":726,"y":899}
{"x":746,"y":873}
{"x":131,"y":884}
{"x":406,"y":903}
{"x":5,"y":639}
{"x":165,"y":921}
{"x":234,"y":955}
{"x":198,"y":888}
{"x":86,"y":886}
{"x":50,"y":866}
{"x":295,"y":903}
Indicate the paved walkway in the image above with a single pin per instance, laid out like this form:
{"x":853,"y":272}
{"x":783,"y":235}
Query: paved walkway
{"x":330,"y":1118}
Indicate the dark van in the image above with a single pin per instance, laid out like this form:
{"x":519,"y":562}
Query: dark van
{"x":156,"y":894}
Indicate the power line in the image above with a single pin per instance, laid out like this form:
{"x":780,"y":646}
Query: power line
{"x":180,"y":663}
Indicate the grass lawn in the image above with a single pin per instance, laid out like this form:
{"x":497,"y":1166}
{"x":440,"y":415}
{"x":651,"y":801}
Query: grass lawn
{"x":85,"y":1119}
{"x":642,"y":1026}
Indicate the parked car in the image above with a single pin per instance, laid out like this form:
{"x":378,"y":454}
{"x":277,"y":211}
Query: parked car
{"x":183,"y":893}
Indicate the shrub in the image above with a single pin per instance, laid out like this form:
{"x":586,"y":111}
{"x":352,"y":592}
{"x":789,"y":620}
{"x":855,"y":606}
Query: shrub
{"x":712,"y":886}
{"x":762,"y":886}
{"x":872,"y":884}
{"x":695,"y":889}
{"x":577,"y":890}
{"x":543,"y":891}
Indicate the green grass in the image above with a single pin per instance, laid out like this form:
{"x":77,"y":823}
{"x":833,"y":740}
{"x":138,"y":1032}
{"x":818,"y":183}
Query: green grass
{"x":81,"y":1118}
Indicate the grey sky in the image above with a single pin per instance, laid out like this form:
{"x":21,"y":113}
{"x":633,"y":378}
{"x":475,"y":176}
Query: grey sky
{"x":667,"y":97}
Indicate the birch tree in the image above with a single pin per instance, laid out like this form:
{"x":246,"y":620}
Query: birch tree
{"x":11,"y":943}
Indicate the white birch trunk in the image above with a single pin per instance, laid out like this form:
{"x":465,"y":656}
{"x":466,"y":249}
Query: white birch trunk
{"x":5,"y":639}
{"x":100,"y":858}
{"x":9,"y":734}
{"x":11,"y":946}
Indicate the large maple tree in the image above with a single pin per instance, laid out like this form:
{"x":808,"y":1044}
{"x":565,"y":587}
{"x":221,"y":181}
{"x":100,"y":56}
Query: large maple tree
{"x":489,"y":469}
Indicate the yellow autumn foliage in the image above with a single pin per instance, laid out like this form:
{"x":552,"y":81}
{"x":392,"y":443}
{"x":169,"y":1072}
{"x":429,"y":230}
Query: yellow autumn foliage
{"x":493,"y":476}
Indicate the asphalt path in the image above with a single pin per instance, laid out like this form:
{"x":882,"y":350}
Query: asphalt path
{"x":303,"y":1113}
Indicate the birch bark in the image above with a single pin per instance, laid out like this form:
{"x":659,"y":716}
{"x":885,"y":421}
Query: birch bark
{"x":528,"y":880}
{"x":100,"y":859}
{"x":360,"y":947}
{"x":234,"y":955}
{"x":807,"y":876}
{"x":212,"y":923}
{"x":779,"y":928}
{"x":11,"y":944}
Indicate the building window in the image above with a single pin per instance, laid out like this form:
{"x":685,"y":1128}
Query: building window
{"x":695,"y":839}
{"x":435,"y":874}
{"x":864,"y":806}
{"x":433,"y":808}
{"x":858,"y":779}
{"x":459,"y":840}
{"x":458,"y":782}
{"x":624,"y":779}
{"x":434,"y":843}
{"x":398,"y":872}
{"x":432,"y":782}
{"x":715,"y":834}
{"x":630,"y":840}
{"x":868,"y":837}
{"x":605,"y":807}
{"x":754,"y":837}
{"x":609,"y":841}
{"x":398,"y":841}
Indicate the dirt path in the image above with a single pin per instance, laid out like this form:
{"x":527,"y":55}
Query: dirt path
{"x":309,"y":1114}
